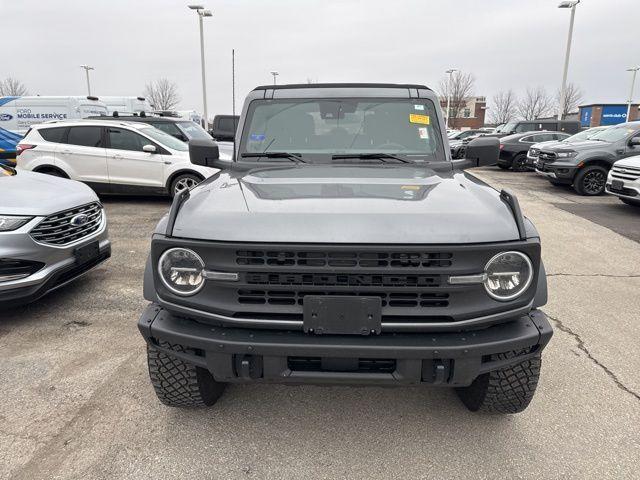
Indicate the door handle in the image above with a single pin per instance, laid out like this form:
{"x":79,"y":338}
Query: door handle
{"x":66,"y":152}
{"x":167,"y":162}
{"x":116,"y":155}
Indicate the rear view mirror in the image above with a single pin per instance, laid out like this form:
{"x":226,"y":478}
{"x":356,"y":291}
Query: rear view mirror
{"x":482,"y":151}
{"x":149,"y":148}
{"x":205,"y":153}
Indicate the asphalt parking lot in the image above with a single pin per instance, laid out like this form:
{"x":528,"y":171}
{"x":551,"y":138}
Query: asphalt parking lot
{"x":77,"y":403}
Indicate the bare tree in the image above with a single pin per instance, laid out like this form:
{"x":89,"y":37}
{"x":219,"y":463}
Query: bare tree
{"x":503,"y":107}
{"x":536,"y":103}
{"x":12,"y":87}
{"x":460,"y":87}
{"x":163,"y":94}
{"x":572,"y":98}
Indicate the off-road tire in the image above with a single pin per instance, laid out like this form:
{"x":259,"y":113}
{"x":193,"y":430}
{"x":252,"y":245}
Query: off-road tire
{"x":187,"y":180}
{"x":180,"y":384}
{"x":503,"y":167}
{"x":507,"y":390}
{"x":519,"y":163}
{"x":582,"y":184}
{"x":628,"y":201}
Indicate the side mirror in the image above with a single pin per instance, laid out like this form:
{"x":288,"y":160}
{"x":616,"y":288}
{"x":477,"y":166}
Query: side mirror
{"x":205,"y":153}
{"x":483,"y":151}
{"x":221,"y":135}
{"x":149,"y":149}
{"x":634,"y":141}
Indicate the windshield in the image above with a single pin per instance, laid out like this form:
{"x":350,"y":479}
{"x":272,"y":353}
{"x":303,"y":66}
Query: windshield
{"x":613,"y":134}
{"x":193,"y":130}
{"x":507,"y":127}
{"x":165,"y":139}
{"x":584,"y":135}
{"x":321,"y":128}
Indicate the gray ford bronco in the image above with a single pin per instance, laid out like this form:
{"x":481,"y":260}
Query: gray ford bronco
{"x":343,"y":245}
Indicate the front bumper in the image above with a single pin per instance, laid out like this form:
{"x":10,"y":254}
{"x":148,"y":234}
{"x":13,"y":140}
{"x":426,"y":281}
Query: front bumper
{"x":561,"y":173}
{"x":253,"y":355}
{"x":630,"y":188}
{"x":59,"y":265}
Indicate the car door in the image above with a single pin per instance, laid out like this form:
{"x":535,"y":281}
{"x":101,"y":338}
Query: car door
{"x":627,"y":150}
{"x":83,"y":156}
{"x":128,"y":164}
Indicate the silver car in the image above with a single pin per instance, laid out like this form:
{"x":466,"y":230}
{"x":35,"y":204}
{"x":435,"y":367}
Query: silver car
{"x":52,"y":230}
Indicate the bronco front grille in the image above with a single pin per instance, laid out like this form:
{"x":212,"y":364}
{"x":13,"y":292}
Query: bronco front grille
{"x":284,"y":258}
{"x":61,"y":229}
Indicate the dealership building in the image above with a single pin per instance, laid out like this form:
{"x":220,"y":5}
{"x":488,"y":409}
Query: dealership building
{"x":597,"y":114}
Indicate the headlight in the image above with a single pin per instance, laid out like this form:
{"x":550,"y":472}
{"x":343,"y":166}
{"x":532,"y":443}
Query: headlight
{"x":508,"y":275}
{"x":566,"y":154}
{"x":181,"y":271}
{"x":12,"y":222}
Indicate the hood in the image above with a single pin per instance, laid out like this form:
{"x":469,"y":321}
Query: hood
{"x":578,"y":146}
{"x":346,"y":204}
{"x":631,"y":162}
{"x":29,"y":193}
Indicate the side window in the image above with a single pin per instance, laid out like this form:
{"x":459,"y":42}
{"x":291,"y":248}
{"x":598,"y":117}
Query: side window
{"x":545,"y":137}
{"x":54,"y":135}
{"x":122,"y":139}
{"x":85,"y":136}
{"x":226,"y":124}
{"x":560,"y":136}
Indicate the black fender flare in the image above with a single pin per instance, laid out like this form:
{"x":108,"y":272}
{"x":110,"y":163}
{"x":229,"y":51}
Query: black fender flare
{"x":148,"y":285}
{"x":541,"y":296}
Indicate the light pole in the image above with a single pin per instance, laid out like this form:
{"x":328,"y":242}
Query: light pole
{"x":450,"y":72}
{"x":563,"y":91}
{"x":633,"y":82}
{"x":201,"y":14}
{"x":275,"y":74}
{"x":86,"y":69}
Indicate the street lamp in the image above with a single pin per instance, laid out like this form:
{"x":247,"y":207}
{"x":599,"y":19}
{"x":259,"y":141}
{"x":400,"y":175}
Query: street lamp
{"x":275,"y":74}
{"x":633,"y":82}
{"x":563,"y":91}
{"x":450,"y":72}
{"x":86,"y":69}
{"x":201,"y":14}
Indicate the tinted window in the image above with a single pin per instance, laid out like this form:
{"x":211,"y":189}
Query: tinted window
{"x":560,"y":136}
{"x":85,"y":136}
{"x":169,"y":128}
{"x":530,"y":139}
{"x":121,"y":139}
{"x":55,"y":135}
{"x":545,"y":137}
{"x":525,"y":127}
{"x":226,"y":124}
{"x":193,"y":130}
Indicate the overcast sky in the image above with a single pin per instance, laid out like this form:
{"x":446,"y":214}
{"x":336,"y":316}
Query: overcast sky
{"x":504,"y":43}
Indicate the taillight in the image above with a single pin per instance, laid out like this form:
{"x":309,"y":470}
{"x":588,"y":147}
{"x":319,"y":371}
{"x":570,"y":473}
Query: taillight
{"x":501,"y":146}
{"x":22,"y":147}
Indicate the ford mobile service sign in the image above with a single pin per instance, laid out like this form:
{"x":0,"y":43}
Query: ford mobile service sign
{"x":5,"y":117}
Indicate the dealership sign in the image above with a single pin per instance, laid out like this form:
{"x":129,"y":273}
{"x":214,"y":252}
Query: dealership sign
{"x":613,"y":114}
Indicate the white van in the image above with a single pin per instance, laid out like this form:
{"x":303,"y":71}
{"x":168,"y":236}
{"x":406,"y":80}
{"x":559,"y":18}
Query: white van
{"x":18,"y":114}
{"x":127,"y":105}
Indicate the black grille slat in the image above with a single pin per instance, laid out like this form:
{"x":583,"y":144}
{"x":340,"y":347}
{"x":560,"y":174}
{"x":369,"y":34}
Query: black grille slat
{"x":56,"y":229}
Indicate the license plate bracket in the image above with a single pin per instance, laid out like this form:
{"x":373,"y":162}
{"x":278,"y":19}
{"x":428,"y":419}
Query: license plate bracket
{"x":342,"y":315}
{"x":87,"y":253}
{"x":617,"y":185}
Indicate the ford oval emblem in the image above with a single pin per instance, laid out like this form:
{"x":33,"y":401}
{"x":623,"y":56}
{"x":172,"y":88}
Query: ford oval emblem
{"x":5,"y":117}
{"x":79,"y":220}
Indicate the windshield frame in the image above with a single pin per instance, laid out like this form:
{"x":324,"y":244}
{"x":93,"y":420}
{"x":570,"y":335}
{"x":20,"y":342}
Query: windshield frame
{"x":439,"y":154}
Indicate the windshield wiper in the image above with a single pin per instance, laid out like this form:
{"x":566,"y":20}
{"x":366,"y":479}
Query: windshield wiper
{"x":373,"y":156}
{"x":291,"y":156}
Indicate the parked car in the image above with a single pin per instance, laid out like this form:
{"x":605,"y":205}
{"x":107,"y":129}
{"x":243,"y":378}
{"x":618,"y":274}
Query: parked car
{"x":623,"y":180}
{"x":183,"y":130}
{"x":349,"y":249}
{"x":534,"y":150}
{"x":52,"y":230}
{"x":585,"y":165}
{"x":565,"y":126}
{"x":224,"y":127}
{"x":458,"y":147}
{"x":513,"y":148}
{"x":111,"y":157}
{"x":19,"y":114}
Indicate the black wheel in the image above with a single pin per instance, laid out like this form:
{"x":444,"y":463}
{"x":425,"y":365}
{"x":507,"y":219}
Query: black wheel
{"x":184,"y":181}
{"x":519,"y":163}
{"x":628,"y":201}
{"x":590,"y":180}
{"x":507,"y":390}
{"x":53,"y":172}
{"x":503,"y":167}
{"x":180,"y":384}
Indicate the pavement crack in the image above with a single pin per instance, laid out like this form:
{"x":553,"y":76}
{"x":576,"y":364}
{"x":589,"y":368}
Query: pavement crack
{"x":560,"y":274}
{"x":581,"y":345}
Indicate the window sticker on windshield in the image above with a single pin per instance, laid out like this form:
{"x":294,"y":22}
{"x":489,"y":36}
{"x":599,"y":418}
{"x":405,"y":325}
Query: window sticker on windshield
{"x":422,"y":131}
{"x":257,"y":137}
{"x":415,"y":118}
{"x":419,"y":107}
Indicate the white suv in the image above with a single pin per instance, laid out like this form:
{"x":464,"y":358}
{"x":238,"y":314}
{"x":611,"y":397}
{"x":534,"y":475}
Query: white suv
{"x":111,"y":157}
{"x":624,"y":180}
